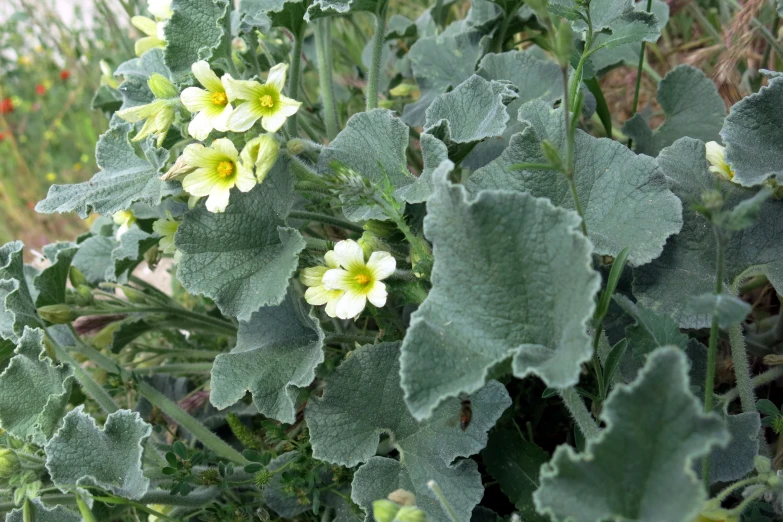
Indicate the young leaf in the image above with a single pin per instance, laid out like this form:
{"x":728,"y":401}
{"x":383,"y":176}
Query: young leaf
{"x":345,"y":427}
{"x":137,"y":71}
{"x":124,"y":178}
{"x":752,"y":134}
{"x":436,"y":164}
{"x":728,"y":309}
{"x":52,"y":280}
{"x":80,"y":453}
{"x":514,"y":463}
{"x":640,"y":467}
{"x":33,"y":391}
{"x":629,"y":185}
{"x":487,"y":270}
{"x":692,"y":106}
{"x":474,"y":111}
{"x":17,"y":307}
{"x":195,"y":32}
{"x":612,"y":362}
{"x":242,"y":258}
{"x":276,"y":353}
{"x":42,"y":513}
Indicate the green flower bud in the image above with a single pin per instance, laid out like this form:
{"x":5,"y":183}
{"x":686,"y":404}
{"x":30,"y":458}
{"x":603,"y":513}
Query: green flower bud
{"x":402,"y":497}
{"x":712,"y":199}
{"x":551,"y":153}
{"x":371,"y":243}
{"x":380,"y":228}
{"x":296,"y":146}
{"x":410,"y":514}
{"x":133,"y":295}
{"x":564,"y":43}
{"x":263,"y":477}
{"x":161,"y":87}
{"x":774,"y":481}
{"x":762,"y":464}
{"x":84,"y":295}
{"x":260,"y":153}
{"x":9,"y":463}
{"x":405,"y":89}
{"x":76,"y":277}
{"x":58,"y":314}
{"x":384,"y":510}
{"x":385,"y":104}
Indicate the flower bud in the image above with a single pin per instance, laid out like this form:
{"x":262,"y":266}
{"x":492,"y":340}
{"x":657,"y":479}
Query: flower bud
{"x":9,"y":463}
{"x":84,"y":295}
{"x":380,"y":228}
{"x":161,"y":86}
{"x":371,"y":243}
{"x":410,"y":514}
{"x":76,"y":277}
{"x":260,"y":153}
{"x":564,"y":43}
{"x":384,"y":510}
{"x":712,"y":199}
{"x":238,"y":44}
{"x":762,"y":464}
{"x":405,"y":89}
{"x":58,"y":314}
{"x":133,"y":295}
{"x":178,"y":171}
{"x":551,"y":153}
{"x":296,"y":146}
{"x":402,"y":497}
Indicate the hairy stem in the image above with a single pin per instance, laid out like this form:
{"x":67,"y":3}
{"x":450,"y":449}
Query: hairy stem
{"x":576,"y":407}
{"x":569,"y":159}
{"x":322,"y":41}
{"x":742,"y":369}
{"x":293,"y":80}
{"x":329,"y":220}
{"x":639,"y":70}
{"x":377,"y":54}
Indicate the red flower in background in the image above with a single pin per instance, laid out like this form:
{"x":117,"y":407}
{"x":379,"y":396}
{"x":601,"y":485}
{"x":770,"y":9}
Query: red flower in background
{"x":2,"y":136}
{"x":65,"y":74}
{"x":6,"y":106}
{"x":40,"y":90}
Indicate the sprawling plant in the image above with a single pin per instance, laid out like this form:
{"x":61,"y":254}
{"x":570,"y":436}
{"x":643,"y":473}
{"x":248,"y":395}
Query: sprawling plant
{"x":370,"y":317}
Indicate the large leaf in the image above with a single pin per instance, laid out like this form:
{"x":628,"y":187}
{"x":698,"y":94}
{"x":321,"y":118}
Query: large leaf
{"x":42,"y":513}
{"x":625,"y":198}
{"x":276,"y":353}
{"x":373,"y":144}
{"x":94,"y":258}
{"x":487,"y":304}
{"x":435,"y":156}
{"x":736,"y":460}
{"x":534,"y":78}
{"x":514,"y":463}
{"x":243,"y":257}
{"x":33,"y":391}
{"x":439,"y":63}
{"x":52,"y":280}
{"x":130,"y":252}
{"x":639,"y":468}
{"x":321,"y":8}
{"x":615,"y":22}
{"x":687,"y":266}
{"x":81,"y":454}
{"x":195,"y":32}
{"x":124,"y":178}
{"x":345,"y":428}
{"x":283,"y":13}
{"x":692,"y":106}
{"x":753,"y":137}
{"x":474,"y":111}
{"x":17,"y":307}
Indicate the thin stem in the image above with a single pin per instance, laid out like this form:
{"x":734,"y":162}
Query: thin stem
{"x":597,"y":367}
{"x":329,"y":220}
{"x":444,"y":503}
{"x":639,"y":76}
{"x":322,"y":41}
{"x":742,"y":369}
{"x":720,"y":497}
{"x":418,"y":245}
{"x":93,"y":389}
{"x":577,"y":80}
{"x":225,"y":326}
{"x":501,"y":34}
{"x":377,"y":54}
{"x":748,"y":501}
{"x":293,"y":80}
{"x":761,"y":379}
{"x":569,"y":144}
{"x":709,"y":383}
{"x":176,"y":368}
{"x":576,"y":407}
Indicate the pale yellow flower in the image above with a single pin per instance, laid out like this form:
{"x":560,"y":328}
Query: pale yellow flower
{"x":210,"y":105}
{"x":261,"y":101}
{"x":317,"y":294}
{"x":716,"y":156}
{"x":166,"y":228}
{"x":125,"y":219}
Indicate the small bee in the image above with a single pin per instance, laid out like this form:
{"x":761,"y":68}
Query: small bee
{"x":465,"y":413}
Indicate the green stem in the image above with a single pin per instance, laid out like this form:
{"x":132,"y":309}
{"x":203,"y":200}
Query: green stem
{"x":577,"y":79}
{"x":93,"y":389}
{"x":724,"y":494}
{"x":377,"y":54}
{"x":742,"y":369}
{"x":597,"y":367}
{"x":225,"y":326}
{"x":705,"y":24}
{"x":501,"y":34}
{"x":322,"y":41}
{"x":445,"y":504}
{"x":84,"y":509}
{"x":329,"y":220}
{"x":576,"y":407}
{"x":737,"y":511}
{"x":176,"y":368}
{"x":570,"y":144}
{"x":761,"y":379}
{"x":639,"y":76}
{"x":709,"y":383}
{"x":293,"y":79}
{"x":418,"y":245}
{"x":126,"y":502}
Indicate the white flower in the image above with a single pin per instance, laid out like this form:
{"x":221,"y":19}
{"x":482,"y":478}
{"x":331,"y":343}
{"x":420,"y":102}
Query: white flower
{"x":716,"y":155}
{"x":218,"y":170}
{"x":166,"y":228}
{"x":125,"y":219}
{"x":154,"y":32}
{"x":160,"y":9}
{"x":316,"y":294}
{"x":261,"y":101}
{"x":359,"y":280}
{"x":261,"y":152}
{"x":211,"y":105}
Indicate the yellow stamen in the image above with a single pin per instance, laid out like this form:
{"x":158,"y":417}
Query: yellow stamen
{"x":225,"y":169}
{"x":219,"y":98}
{"x":362,"y":279}
{"x":267,"y":101}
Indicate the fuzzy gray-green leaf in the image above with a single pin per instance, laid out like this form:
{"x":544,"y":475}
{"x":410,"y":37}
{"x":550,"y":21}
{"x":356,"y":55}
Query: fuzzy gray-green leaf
{"x":81,"y":453}
{"x":345,"y":428}
{"x":242,"y":258}
{"x":639,"y":468}
{"x":125,"y":178}
{"x":276,"y":353}
{"x":33,"y":391}
{"x":52,"y":280}
{"x":17,"y":306}
{"x":486,"y":305}
{"x":736,"y":460}
{"x":692,"y":106}
{"x":42,"y":513}
{"x":194,"y":32}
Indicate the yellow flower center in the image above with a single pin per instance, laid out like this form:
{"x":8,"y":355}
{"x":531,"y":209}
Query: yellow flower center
{"x":362,"y":279}
{"x":225,"y":169}
{"x":267,"y":101}
{"x":219,"y":98}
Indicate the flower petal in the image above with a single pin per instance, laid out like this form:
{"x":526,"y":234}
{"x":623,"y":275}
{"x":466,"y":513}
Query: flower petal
{"x":220,"y":120}
{"x":195,"y":99}
{"x":145,"y":25}
{"x":277,"y":76}
{"x":241,"y":89}
{"x":350,"y":305}
{"x":382,"y":265}
{"x":245,"y":179}
{"x":318,"y":295}
{"x":274,"y":122}
{"x":331,"y":259}
{"x":200,"y":126}
{"x":349,"y":254}
{"x":312,"y":276}
{"x":243,"y":117}
{"x":225,"y":147}
{"x":197,"y":155}
{"x":218,"y":199}
{"x":331,"y":307}
{"x":206,"y":76}
{"x":143,"y":45}
{"x":288,"y":106}
{"x":377,"y":295}
{"x":200,"y":182}
{"x":337,"y":279}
